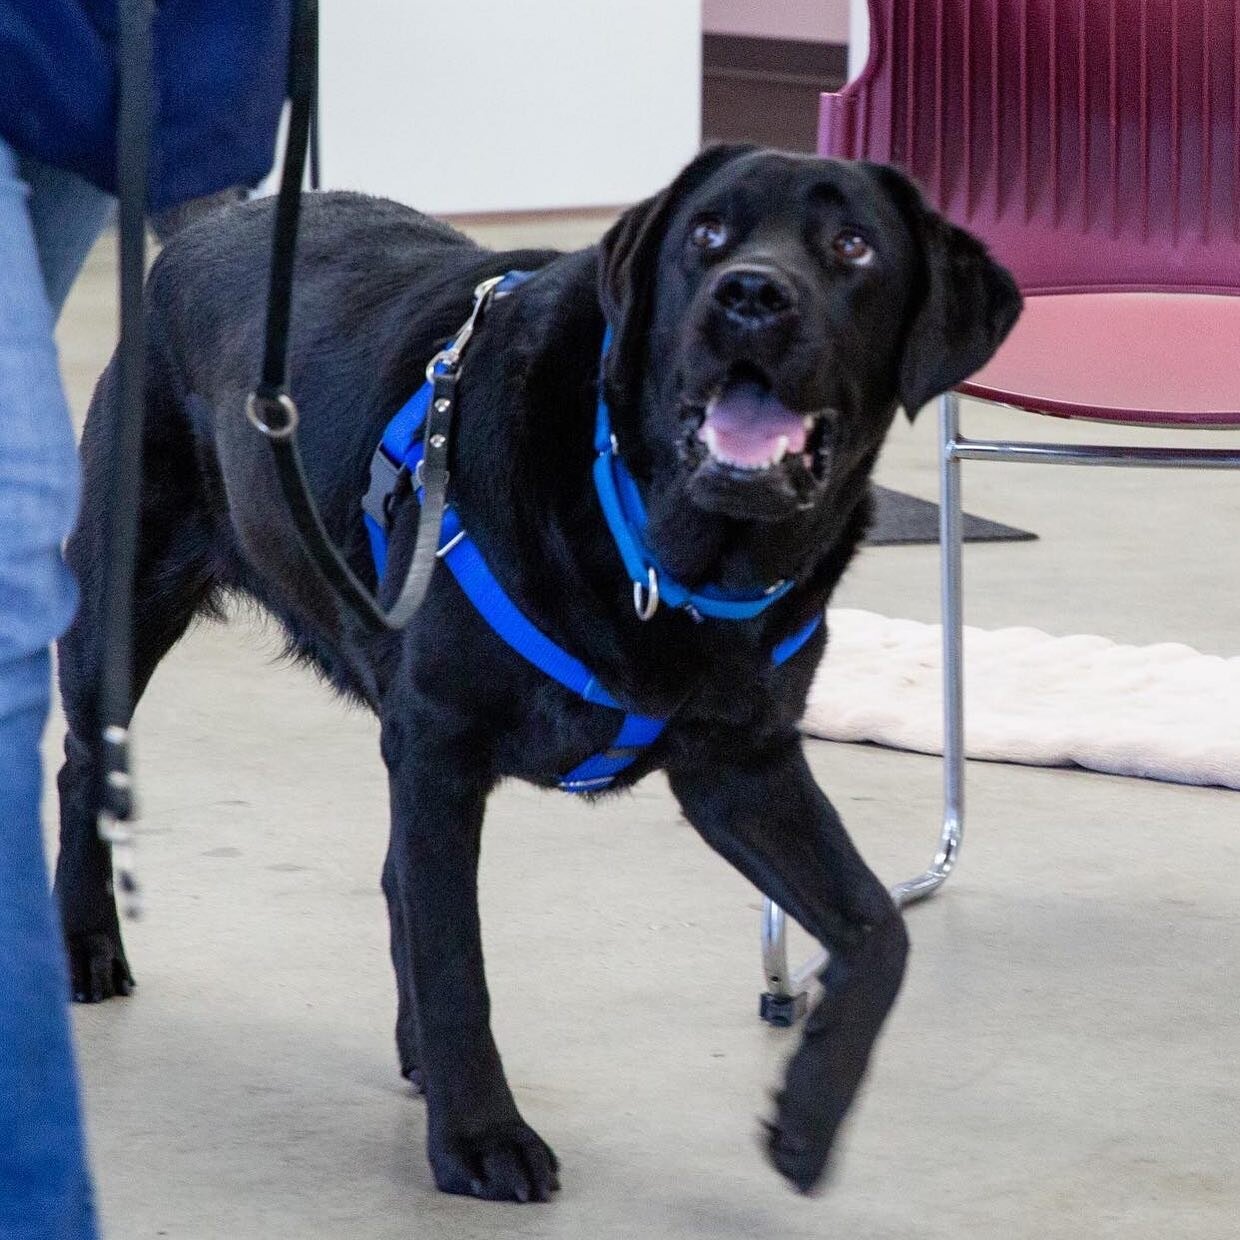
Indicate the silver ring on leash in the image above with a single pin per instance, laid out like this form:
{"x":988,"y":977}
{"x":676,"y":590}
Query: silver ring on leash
{"x":646,"y":597}
{"x":280,"y":428}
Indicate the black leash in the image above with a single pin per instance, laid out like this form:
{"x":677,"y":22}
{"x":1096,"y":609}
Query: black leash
{"x":115,"y":807}
{"x":316,"y":110}
{"x":272,"y":410}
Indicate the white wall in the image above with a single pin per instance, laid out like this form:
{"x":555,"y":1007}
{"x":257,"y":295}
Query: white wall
{"x":816,"y":21}
{"x":502,"y":105}
{"x":858,"y":36}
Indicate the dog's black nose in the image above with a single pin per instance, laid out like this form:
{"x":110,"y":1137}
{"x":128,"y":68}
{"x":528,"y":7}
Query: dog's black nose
{"x":754,"y":296}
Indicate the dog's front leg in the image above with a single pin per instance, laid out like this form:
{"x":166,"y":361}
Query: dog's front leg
{"x":767,"y":816}
{"x":478,"y":1144}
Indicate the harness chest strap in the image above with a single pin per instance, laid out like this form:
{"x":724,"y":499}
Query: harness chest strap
{"x":399,"y":455}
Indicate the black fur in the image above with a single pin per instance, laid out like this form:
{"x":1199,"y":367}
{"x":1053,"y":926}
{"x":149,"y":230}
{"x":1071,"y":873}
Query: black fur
{"x":378,"y":289}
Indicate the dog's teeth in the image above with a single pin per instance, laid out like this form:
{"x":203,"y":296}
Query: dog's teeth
{"x":781,"y":450}
{"x":711,"y":436}
{"x":808,"y":421}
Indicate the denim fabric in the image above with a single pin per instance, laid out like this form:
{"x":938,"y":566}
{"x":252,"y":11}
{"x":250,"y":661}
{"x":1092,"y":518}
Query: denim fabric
{"x":67,"y":215}
{"x":45,"y":1191}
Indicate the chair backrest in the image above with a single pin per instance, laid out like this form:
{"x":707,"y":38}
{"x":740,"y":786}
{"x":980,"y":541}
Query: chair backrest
{"x":1095,"y":144}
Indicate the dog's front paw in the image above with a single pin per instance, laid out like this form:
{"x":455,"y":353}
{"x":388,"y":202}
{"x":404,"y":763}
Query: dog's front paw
{"x":97,"y":967}
{"x":808,"y":1114}
{"x":799,"y":1157}
{"x":503,"y":1162}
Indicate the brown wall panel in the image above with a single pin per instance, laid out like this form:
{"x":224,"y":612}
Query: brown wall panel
{"x":766,"y":90}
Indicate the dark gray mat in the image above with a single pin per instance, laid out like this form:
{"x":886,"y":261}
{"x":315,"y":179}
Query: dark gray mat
{"x":901,"y":519}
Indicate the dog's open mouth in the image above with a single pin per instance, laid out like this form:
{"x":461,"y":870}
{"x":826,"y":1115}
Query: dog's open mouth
{"x":743,"y":438}
{"x":745,"y":426}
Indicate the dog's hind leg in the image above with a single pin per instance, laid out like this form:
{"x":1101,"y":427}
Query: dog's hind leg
{"x":173,"y":583}
{"x":767,"y":816}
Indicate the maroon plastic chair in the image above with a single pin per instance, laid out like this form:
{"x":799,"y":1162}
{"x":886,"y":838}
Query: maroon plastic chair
{"x":1095,"y":146}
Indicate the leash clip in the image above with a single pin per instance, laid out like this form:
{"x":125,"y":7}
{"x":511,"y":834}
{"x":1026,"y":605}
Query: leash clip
{"x":646,"y":597}
{"x":448,"y":359}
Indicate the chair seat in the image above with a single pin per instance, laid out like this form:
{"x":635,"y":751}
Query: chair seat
{"x":1157,"y":359}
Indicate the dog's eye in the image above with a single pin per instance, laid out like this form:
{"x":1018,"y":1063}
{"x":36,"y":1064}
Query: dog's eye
{"x":852,"y":248}
{"x":709,"y":234}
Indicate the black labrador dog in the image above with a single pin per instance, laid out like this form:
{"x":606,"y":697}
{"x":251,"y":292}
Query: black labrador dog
{"x":768,"y":314}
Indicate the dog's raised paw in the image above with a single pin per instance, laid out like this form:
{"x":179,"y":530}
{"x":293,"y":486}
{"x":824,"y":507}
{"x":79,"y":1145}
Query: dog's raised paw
{"x":797,"y":1159}
{"x":97,"y":968}
{"x":506,"y":1162}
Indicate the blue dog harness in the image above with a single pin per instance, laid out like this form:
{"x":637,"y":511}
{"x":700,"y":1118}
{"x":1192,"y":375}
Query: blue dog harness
{"x":400,"y":453}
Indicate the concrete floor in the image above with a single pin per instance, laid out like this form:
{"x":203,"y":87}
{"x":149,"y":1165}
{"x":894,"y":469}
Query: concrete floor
{"x":1062,"y":1064}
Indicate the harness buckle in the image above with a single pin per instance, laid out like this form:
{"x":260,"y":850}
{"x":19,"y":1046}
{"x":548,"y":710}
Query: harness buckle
{"x":626,"y":753}
{"x":384,"y":479}
{"x":646,"y":597}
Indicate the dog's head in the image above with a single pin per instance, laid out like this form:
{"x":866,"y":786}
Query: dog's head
{"x":769,"y":311}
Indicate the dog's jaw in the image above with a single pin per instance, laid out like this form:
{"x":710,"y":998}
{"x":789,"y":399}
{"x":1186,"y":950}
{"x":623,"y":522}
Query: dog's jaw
{"x":749,"y":455}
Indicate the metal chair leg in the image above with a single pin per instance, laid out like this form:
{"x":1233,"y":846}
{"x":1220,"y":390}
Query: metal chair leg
{"x":952,"y":607}
{"x":785,"y":998}
{"x":784,"y":1001}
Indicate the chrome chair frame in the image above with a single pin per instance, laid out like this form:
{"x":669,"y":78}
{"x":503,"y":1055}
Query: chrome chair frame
{"x":786,"y":995}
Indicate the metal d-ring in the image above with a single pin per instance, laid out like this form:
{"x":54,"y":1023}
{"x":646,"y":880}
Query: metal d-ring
{"x":257,"y":409}
{"x":646,"y":597}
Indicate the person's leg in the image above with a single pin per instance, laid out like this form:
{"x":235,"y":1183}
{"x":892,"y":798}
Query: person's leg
{"x":45,"y":1192}
{"x":67,"y":215}
{"x":44,"y":1187}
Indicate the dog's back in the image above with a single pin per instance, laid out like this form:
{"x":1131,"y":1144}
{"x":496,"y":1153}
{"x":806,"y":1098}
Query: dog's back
{"x":377,"y":288}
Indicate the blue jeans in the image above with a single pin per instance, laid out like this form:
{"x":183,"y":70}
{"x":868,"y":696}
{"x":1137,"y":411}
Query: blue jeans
{"x":48,"y":220}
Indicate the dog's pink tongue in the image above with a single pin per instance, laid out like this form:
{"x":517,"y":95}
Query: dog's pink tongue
{"x":746,"y":422}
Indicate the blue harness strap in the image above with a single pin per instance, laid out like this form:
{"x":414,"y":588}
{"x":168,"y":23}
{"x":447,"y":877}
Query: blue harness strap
{"x":791,"y":644}
{"x":598,"y":771}
{"x":490,"y":601}
{"x":399,"y":454}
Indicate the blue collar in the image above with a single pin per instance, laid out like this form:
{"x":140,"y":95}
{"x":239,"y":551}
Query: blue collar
{"x":626,"y":519}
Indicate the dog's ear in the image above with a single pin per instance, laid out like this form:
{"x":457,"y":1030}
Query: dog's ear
{"x":967,"y":306}
{"x":629,"y":255}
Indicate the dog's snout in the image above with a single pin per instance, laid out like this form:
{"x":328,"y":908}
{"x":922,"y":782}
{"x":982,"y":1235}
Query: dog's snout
{"x":754,"y":296}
